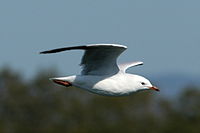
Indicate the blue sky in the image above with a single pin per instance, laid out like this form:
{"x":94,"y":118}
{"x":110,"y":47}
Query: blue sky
{"x":165,"y":35}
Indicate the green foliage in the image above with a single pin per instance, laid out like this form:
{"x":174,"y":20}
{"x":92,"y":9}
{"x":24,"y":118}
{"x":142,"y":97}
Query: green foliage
{"x":41,"y":106}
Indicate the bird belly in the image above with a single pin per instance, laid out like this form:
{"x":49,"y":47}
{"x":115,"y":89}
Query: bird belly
{"x":104,"y":85}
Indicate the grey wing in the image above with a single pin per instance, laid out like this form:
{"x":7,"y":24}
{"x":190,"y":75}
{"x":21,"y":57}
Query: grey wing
{"x":125,"y":66}
{"x":101,"y":59}
{"x":98,"y":59}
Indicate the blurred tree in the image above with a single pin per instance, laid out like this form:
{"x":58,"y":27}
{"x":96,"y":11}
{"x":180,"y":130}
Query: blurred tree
{"x":40,"y":106}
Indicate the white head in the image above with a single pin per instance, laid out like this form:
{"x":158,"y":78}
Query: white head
{"x":142,"y":83}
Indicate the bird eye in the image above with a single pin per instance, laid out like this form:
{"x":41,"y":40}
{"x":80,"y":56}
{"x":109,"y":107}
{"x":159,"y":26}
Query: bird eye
{"x":142,"y":83}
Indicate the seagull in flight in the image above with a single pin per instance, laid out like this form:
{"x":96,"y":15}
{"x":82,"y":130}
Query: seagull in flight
{"x":100,"y":72}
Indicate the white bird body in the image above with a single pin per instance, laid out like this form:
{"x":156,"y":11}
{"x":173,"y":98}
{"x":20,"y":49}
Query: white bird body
{"x":110,"y":85}
{"x":101,"y":74}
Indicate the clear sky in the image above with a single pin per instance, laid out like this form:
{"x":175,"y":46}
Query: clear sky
{"x":164,"y":34}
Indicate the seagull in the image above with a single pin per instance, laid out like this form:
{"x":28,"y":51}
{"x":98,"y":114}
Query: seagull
{"x":100,"y":73}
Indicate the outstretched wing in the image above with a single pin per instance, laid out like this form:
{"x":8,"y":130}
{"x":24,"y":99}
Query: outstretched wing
{"x":125,"y":66}
{"x":98,"y":59}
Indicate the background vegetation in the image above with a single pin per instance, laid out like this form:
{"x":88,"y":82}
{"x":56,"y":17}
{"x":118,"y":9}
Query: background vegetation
{"x":39,"y":106}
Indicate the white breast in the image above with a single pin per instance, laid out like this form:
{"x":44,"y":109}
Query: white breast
{"x":119,"y":84}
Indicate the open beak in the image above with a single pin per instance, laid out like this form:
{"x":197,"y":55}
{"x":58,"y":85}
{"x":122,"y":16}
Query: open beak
{"x":154,"y":88}
{"x":62,"y":82}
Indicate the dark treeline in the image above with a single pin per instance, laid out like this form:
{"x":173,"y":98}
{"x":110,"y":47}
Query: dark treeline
{"x":39,"y":106}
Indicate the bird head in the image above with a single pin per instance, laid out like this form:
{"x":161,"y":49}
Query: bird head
{"x":144,"y":84}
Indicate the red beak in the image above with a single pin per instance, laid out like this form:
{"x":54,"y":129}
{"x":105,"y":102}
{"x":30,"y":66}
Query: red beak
{"x":154,"y":88}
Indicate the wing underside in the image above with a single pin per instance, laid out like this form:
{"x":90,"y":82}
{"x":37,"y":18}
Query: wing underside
{"x":98,"y":59}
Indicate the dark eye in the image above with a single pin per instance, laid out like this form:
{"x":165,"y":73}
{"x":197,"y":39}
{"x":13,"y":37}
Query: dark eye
{"x":142,"y":83}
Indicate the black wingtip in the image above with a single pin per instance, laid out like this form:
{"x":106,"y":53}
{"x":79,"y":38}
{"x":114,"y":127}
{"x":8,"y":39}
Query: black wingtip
{"x":49,"y":51}
{"x":43,"y":52}
{"x":62,"y":49}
